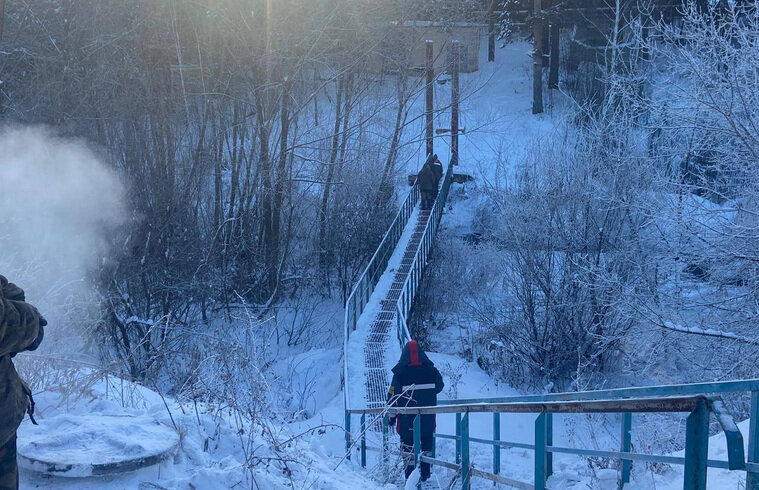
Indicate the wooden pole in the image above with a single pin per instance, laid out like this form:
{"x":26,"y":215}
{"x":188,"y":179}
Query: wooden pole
{"x":537,"y":61}
{"x":455,"y":105}
{"x":553,"y":73}
{"x":429,"y":97}
{"x":491,"y":31}
{"x":2,"y":18}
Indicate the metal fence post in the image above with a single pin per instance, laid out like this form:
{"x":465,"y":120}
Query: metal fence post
{"x":465,"y":476}
{"x":625,"y":447}
{"x":458,"y":438}
{"x":417,"y":439}
{"x":752,"y":477}
{"x":549,"y":442}
{"x":363,"y":440}
{"x":696,"y":447}
{"x":496,"y":447}
{"x":385,"y":421}
{"x":540,"y":452}
{"x":348,"y":434}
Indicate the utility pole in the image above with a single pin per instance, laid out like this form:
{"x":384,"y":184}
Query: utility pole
{"x":429,"y":97}
{"x":455,"y":104}
{"x":537,"y":61}
{"x":2,"y":18}
{"x":553,"y":73}
{"x":491,"y":31}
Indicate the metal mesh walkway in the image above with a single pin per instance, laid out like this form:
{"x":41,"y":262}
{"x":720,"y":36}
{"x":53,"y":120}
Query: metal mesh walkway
{"x":381,"y":326}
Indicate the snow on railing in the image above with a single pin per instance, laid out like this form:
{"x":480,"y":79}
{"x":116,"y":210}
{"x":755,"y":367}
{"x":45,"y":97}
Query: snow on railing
{"x":699,"y":400}
{"x":362,"y":291}
{"x":411,"y":285}
{"x":364,"y":288}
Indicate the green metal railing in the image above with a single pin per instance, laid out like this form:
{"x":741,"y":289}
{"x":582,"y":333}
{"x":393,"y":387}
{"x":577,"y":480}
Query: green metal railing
{"x":699,"y":400}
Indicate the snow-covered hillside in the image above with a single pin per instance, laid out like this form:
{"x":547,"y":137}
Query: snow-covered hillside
{"x":305,"y":449}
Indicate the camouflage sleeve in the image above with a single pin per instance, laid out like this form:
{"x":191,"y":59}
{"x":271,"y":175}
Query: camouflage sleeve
{"x":19,"y":321}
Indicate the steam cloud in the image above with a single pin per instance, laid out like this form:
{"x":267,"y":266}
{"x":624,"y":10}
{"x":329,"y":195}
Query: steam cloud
{"x":57,"y":203}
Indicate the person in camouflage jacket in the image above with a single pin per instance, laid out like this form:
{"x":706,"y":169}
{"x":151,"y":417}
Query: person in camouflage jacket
{"x":21,"y":328}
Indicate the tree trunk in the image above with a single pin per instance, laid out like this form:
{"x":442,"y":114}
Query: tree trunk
{"x":267,"y":192}
{"x":385,"y":188}
{"x":323,"y":249}
{"x":553,"y":73}
{"x":537,"y":62}
{"x":491,"y":30}
{"x":2,"y":18}
{"x":279,"y":191}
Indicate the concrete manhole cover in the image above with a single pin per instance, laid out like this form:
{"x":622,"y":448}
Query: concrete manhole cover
{"x":89,"y":445}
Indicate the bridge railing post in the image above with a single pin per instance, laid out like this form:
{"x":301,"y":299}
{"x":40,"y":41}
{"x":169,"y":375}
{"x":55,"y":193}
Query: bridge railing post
{"x":348,"y":435}
{"x":458,"y":438}
{"x":417,"y":439}
{"x":549,"y":442}
{"x":540,"y":452}
{"x":496,"y":439}
{"x":363,"y":440}
{"x":465,"y":475}
{"x":625,"y":447}
{"x":752,"y":476}
{"x":385,"y":422}
{"x":696,"y":447}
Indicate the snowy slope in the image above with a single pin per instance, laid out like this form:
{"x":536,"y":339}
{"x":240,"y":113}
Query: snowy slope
{"x":213,"y":449}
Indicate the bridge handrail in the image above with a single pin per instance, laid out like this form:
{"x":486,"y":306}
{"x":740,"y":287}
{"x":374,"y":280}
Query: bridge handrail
{"x":393,"y":234}
{"x":354,"y":305}
{"x":411,"y":284}
{"x":674,"y":398}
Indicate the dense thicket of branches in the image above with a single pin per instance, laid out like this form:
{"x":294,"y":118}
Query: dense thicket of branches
{"x":626,"y":243}
{"x":249,"y":134}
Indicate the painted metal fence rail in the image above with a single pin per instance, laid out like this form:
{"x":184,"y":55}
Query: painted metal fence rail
{"x":699,"y":400}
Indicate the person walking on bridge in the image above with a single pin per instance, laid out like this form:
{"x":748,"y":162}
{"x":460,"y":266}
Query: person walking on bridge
{"x":20,"y":330}
{"x":427,"y":184}
{"x":416,"y":383}
{"x":437,"y":169}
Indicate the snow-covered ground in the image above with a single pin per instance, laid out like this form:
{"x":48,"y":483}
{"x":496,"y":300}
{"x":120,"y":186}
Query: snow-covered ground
{"x":217,"y":450}
{"x":214,"y":446}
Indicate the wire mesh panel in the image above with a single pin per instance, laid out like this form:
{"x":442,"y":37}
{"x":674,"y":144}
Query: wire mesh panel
{"x":381,"y":332}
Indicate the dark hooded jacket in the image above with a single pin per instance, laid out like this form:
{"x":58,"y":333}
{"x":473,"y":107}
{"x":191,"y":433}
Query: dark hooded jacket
{"x":426,"y":178}
{"x":436,"y":166}
{"x":416,"y":383}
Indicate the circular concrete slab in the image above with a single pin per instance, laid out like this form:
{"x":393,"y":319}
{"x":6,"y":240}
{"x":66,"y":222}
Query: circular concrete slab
{"x":90,"y":445}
